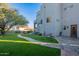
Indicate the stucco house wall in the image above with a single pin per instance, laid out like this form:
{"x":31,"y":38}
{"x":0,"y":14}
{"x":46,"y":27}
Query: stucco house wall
{"x":70,"y":17}
{"x":60,"y":15}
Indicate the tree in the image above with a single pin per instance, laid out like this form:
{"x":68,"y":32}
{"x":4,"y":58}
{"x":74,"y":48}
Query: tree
{"x":9,"y":18}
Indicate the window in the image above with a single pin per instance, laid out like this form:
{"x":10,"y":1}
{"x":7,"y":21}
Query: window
{"x":71,"y":6}
{"x":44,"y":6}
{"x":64,"y":27}
{"x":48,"y":20}
{"x":65,"y":9}
{"x":35,"y":25}
{"x":67,"y":26}
{"x":41,"y":21}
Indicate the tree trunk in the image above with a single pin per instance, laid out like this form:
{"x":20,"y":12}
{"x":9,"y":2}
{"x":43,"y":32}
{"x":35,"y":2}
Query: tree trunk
{"x":2,"y":31}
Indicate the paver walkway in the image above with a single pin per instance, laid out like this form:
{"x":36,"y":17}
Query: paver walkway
{"x":67,"y":40}
{"x":68,"y":46}
{"x":51,"y":45}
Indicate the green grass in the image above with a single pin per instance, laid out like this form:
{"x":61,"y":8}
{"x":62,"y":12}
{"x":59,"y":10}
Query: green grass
{"x":11,"y":45}
{"x":26,"y":49}
{"x":42,"y":38}
{"x":10,"y":37}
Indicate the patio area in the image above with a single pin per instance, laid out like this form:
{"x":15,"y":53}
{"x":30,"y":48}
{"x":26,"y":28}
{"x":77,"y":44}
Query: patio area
{"x":69,"y":46}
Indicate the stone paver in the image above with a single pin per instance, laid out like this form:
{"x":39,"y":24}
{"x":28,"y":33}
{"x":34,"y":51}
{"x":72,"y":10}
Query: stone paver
{"x":69,"y":46}
{"x":68,"y":40}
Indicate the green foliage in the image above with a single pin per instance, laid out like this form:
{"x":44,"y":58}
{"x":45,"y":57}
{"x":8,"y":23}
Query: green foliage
{"x":13,"y":17}
{"x":9,"y":18}
{"x":42,"y":38}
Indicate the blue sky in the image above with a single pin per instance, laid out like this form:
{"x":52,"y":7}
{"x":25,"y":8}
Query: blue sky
{"x":28,"y":10}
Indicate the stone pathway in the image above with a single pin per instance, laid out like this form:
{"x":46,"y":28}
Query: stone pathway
{"x":51,"y":45}
{"x":68,"y":46}
{"x":68,"y":40}
{"x":27,"y":38}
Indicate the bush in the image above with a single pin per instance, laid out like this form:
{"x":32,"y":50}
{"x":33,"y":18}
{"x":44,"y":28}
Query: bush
{"x":37,"y":33}
{"x":29,"y":31}
{"x":17,"y":32}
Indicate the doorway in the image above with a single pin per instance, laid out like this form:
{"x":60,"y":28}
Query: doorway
{"x":74,"y":31}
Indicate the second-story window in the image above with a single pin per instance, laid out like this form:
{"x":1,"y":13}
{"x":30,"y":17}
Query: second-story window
{"x":48,"y":20}
{"x":65,"y":9}
{"x":71,"y":6}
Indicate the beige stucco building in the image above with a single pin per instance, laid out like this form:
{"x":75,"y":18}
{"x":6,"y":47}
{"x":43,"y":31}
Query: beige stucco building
{"x":22,"y":28}
{"x":58,"y":18}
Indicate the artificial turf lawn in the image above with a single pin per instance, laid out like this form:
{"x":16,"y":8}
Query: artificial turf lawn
{"x":26,"y":49}
{"x":42,"y":38}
